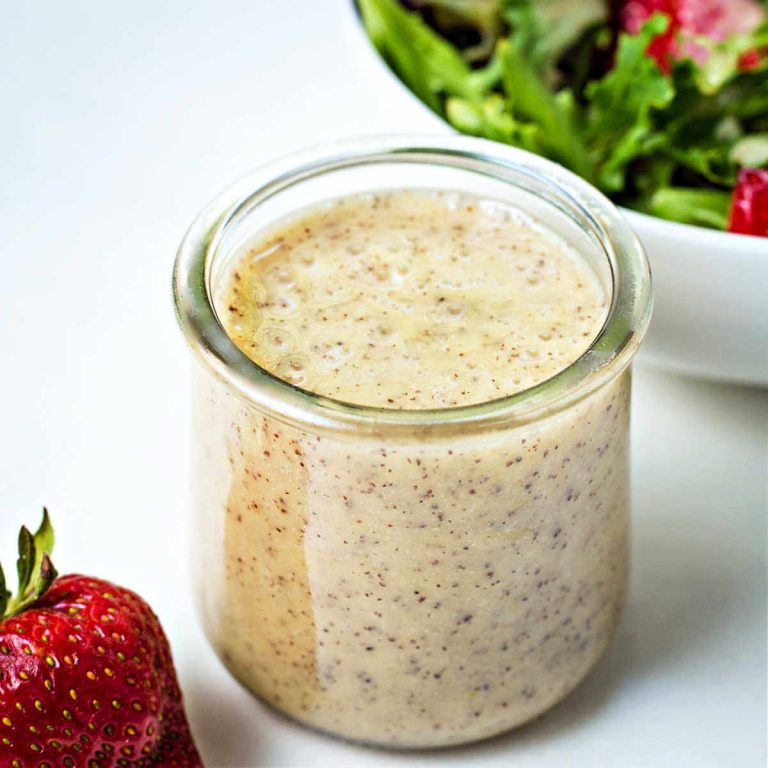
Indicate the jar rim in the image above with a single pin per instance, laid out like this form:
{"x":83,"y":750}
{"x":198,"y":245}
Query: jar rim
{"x":609,"y":353}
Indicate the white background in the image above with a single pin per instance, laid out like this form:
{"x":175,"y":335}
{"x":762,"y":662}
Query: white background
{"x":118,"y":122}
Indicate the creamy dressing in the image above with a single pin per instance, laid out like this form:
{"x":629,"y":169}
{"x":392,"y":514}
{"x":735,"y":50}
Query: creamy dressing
{"x":413,"y":300}
{"x":412,"y":592}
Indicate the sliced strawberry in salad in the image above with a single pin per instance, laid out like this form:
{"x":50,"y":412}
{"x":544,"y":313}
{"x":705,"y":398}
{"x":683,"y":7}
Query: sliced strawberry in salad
{"x":752,"y":59}
{"x":749,"y":205}
{"x":689,"y":20}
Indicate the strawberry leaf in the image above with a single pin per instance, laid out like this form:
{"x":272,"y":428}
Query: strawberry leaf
{"x":34,"y":567}
{"x":44,"y":540}
{"x":26,"y":558}
{"x":4,"y":593}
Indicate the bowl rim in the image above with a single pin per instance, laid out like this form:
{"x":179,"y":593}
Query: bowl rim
{"x":696,"y":235}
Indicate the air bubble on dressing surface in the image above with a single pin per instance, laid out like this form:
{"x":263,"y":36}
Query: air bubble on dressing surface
{"x":331,"y":351}
{"x":279,"y":276}
{"x":447,"y":310}
{"x":498,"y":211}
{"x":275,"y":338}
{"x":257,"y":254}
{"x":283,"y":304}
{"x":292,"y":368}
{"x":380,"y":330}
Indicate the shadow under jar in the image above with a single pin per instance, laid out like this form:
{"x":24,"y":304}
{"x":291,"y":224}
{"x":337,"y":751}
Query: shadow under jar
{"x":411,"y":578}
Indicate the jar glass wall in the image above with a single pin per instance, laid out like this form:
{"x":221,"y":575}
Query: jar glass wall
{"x":411,"y":578}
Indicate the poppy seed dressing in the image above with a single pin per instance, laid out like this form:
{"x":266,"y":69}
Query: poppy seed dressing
{"x":413,"y":592}
{"x":413,"y":300}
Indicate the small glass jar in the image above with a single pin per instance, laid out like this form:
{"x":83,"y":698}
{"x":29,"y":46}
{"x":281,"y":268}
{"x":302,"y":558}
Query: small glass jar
{"x":411,"y":578}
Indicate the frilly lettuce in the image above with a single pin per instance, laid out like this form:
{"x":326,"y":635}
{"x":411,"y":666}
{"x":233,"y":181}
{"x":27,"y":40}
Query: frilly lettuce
{"x":560,"y":80}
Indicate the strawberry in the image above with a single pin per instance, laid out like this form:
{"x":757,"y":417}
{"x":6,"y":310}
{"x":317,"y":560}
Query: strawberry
{"x":749,"y":206}
{"x":688,"y":19}
{"x":753,"y":58}
{"x":86,"y":676}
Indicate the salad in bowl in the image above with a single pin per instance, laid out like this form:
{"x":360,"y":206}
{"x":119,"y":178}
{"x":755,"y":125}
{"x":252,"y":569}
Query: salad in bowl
{"x":661,"y":104}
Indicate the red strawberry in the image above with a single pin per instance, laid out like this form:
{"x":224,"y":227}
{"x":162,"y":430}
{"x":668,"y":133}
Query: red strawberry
{"x":663,"y":48}
{"x":749,"y":207}
{"x":86,"y":676}
{"x":753,"y":58}
{"x":715,"y":19}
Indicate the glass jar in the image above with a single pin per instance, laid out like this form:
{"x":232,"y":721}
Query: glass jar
{"x":411,"y":578}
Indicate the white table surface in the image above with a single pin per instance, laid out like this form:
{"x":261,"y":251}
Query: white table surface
{"x":119,"y":121}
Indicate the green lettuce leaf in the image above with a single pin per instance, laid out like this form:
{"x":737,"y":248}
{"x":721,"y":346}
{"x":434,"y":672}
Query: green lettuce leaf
{"x":702,"y":207}
{"x":530,"y":99}
{"x":543,"y":29}
{"x":620,"y":123}
{"x":491,"y":119}
{"x":428,"y":64}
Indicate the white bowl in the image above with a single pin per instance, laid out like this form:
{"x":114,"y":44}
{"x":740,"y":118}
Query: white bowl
{"x":711,"y":288}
